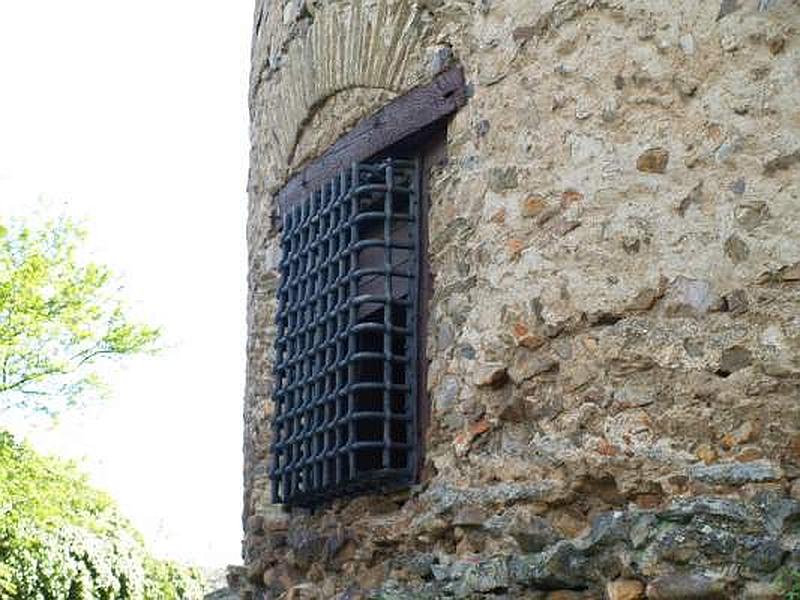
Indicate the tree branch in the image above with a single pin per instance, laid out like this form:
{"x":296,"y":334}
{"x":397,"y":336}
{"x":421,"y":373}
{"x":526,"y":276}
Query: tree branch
{"x":15,"y":387}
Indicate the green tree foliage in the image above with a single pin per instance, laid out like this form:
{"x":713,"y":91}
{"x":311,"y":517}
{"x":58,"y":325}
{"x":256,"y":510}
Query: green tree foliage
{"x":789,"y":582}
{"x":61,"y":539}
{"x":59,"y":316}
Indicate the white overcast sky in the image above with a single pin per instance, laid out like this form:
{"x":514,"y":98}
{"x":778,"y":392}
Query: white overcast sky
{"x":132,"y":116}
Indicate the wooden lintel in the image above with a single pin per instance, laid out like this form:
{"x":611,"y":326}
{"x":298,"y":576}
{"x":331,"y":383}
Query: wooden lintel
{"x":397,"y":120}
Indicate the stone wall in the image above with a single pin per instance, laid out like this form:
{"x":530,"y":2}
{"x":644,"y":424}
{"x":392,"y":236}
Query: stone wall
{"x":615,"y":323}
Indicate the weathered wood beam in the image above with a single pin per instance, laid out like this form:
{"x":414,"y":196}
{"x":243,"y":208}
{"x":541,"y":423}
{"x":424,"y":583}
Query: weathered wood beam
{"x":397,"y":120}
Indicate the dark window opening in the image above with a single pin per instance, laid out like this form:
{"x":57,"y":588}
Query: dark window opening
{"x":348,"y":407}
{"x":346,"y":351}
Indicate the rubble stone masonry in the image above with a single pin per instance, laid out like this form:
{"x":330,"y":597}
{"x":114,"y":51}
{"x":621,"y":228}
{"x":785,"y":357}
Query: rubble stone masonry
{"x":614,"y":332}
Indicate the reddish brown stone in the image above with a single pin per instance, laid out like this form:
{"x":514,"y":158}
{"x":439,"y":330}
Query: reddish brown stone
{"x":570,"y":197}
{"x":523,"y":337}
{"x":648,"y":501}
{"x":606,"y":448}
{"x":514,"y":248}
{"x":533,"y":206}
{"x":741,"y":435}
{"x":707,"y":454}
{"x":749,"y":454}
{"x":625,"y":589}
{"x":654,"y":160}
{"x":463,"y":440}
{"x":565,"y":595}
{"x":499,"y":217}
{"x":491,"y":376}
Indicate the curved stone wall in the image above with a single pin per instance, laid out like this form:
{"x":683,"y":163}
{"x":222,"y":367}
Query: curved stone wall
{"x":615,"y":330}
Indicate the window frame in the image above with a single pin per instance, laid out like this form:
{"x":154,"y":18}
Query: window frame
{"x":412,"y":125}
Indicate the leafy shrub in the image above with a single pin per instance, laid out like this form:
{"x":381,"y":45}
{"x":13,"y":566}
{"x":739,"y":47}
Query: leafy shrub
{"x":61,"y":539}
{"x":791,"y":585}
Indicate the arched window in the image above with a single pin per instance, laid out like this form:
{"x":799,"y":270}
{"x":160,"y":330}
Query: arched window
{"x":349,"y":399}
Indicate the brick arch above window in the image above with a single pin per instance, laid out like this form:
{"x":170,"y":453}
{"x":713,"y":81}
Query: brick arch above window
{"x":335,"y":48}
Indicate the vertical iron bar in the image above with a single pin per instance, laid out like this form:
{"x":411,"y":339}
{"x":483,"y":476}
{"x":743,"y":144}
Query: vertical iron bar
{"x":309,"y":328}
{"x":319,"y":337}
{"x":297,"y":474}
{"x":412,"y":320}
{"x":288,"y":484}
{"x":340,"y":321}
{"x":351,"y":337}
{"x":330,"y":331}
{"x":387,"y":316}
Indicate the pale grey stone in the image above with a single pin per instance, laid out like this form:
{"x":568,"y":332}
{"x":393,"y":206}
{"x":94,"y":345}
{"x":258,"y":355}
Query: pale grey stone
{"x":735,"y":473}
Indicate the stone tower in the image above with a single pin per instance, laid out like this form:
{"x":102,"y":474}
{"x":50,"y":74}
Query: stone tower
{"x":613,"y":327}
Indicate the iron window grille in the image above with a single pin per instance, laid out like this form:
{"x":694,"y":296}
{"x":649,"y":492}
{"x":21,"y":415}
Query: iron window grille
{"x":345,"y":367}
{"x":347,"y":410}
